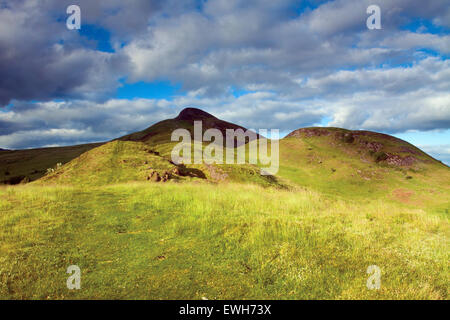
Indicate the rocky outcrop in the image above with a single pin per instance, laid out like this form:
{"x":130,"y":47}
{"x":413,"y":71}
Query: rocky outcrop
{"x":310,"y":132}
{"x":397,"y":160}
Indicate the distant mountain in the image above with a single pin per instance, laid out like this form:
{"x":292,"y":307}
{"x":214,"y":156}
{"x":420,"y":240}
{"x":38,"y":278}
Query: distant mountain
{"x":332,"y":160}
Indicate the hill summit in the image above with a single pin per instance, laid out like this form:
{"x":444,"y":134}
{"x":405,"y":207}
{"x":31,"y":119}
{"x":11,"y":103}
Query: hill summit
{"x":160,"y":132}
{"x":192,"y":114}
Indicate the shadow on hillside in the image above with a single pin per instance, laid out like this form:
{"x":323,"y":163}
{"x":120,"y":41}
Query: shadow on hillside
{"x":15,"y":180}
{"x":191,"y":172}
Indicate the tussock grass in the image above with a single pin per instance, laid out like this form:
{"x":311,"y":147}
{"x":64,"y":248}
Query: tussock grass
{"x":233,"y":241}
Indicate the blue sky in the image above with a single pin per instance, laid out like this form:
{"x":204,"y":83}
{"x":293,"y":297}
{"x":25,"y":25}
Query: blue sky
{"x":261,"y":64}
{"x":148,"y":90}
{"x":100,"y":37}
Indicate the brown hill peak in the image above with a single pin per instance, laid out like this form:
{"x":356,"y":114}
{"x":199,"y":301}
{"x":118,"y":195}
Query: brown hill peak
{"x":191,"y":114}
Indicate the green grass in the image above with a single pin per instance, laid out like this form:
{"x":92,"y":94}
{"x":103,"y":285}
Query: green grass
{"x":114,"y":162}
{"x":228,"y":241}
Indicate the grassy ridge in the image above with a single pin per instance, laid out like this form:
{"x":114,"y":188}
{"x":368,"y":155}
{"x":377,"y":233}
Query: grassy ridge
{"x":229,"y":241}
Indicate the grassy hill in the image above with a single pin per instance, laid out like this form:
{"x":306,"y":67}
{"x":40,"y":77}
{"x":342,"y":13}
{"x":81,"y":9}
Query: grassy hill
{"x":334,"y":161}
{"x":31,"y":164}
{"x":361,"y":164}
{"x":140,"y":226}
{"x":126,"y":161}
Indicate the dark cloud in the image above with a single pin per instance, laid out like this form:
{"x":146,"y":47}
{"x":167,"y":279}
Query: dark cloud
{"x":40,"y":59}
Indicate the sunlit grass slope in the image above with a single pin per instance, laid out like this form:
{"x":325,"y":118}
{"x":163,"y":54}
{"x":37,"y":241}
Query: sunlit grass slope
{"x":228,"y":241}
{"x":127,"y":161}
{"x":339,"y":168}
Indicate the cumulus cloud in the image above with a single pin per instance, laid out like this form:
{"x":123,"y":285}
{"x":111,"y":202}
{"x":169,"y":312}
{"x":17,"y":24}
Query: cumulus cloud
{"x":77,"y":121}
{"x":386,"y":99}
{"x":260,"y":44}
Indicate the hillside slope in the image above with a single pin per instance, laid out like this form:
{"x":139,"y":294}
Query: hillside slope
{"x":126,"y":161}
{"x":353,"y":164}
{"x":363,"y":164}
{"x":146,"y":155}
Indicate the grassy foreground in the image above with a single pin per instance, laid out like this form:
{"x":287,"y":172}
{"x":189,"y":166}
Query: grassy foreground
{"x":194,"y":240}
